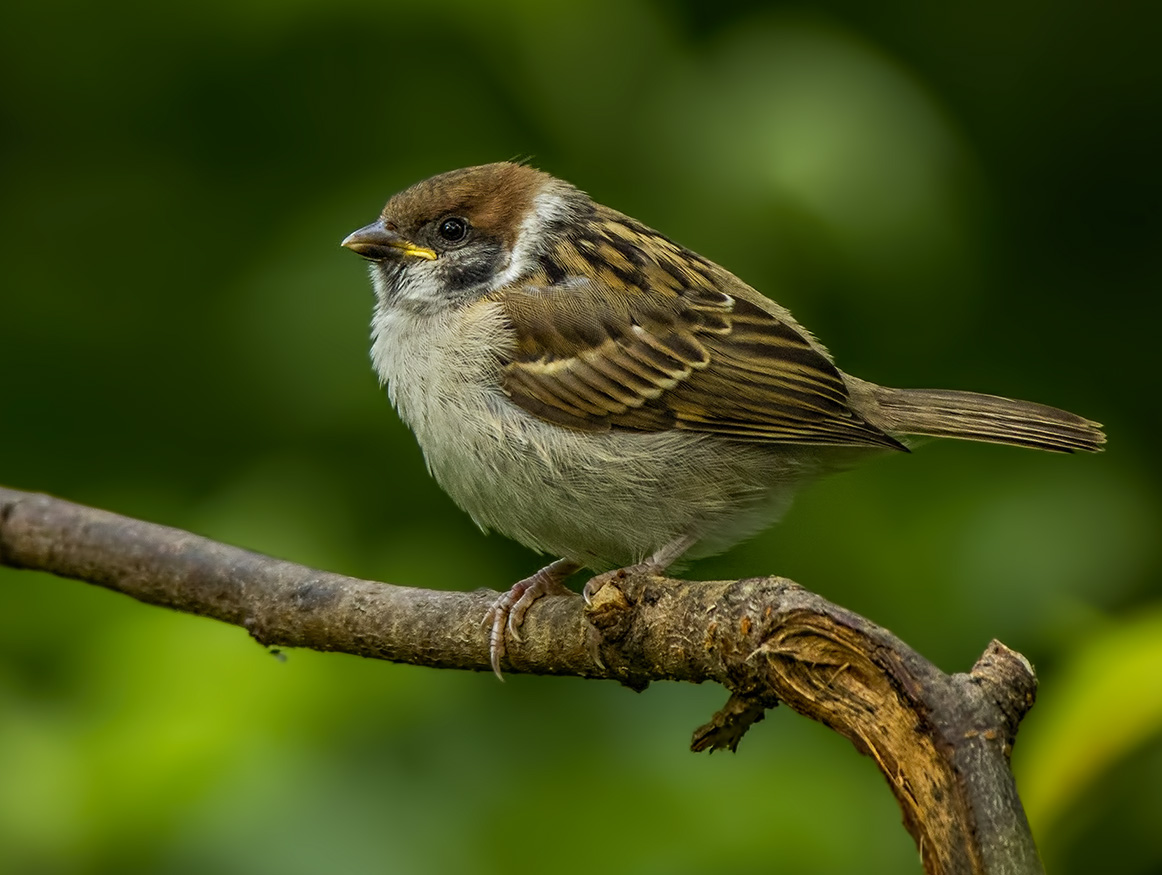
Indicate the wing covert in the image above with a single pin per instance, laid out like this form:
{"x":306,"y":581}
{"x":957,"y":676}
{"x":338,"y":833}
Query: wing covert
{"x":671,"y":350}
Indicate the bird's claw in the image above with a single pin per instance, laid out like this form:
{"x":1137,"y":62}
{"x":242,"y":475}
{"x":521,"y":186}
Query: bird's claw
{"x":509,"y":610}
{"x":598,"y":582}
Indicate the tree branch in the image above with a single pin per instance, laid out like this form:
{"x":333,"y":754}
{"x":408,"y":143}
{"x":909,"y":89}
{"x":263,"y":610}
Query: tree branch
{"x":942,"y":742}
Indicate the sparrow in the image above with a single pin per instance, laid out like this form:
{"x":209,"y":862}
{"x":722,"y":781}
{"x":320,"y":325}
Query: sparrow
{"x":588,"y":387}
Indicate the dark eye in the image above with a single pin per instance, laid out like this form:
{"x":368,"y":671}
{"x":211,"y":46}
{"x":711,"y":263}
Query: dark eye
{"x":453,"y":229}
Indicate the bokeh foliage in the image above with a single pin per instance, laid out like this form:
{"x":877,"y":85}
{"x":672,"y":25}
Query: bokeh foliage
{"x":963,"y":195}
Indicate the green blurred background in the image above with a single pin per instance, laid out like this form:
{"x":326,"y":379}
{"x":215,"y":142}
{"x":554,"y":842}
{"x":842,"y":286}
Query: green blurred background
{"x":955,"y":195}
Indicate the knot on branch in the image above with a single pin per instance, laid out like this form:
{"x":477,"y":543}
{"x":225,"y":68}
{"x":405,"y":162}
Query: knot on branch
{"x":1008,"y":681}
{"x":941,"y":742}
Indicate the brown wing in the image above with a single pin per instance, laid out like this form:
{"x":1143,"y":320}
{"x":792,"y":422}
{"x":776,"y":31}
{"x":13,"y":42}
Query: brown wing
{"x":694,"y":358}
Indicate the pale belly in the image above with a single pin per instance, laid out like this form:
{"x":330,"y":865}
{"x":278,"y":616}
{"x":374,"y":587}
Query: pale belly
{"x":614,"y":498}
{"x":603,"y":499}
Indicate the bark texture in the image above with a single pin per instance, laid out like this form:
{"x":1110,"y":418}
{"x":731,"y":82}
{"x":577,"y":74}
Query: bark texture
{"x":941,"y":741}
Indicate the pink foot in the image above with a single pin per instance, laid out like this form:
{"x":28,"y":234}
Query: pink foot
{"x":510,"y":609}
{"x":656,"y":564}
{"x":596,"y":583}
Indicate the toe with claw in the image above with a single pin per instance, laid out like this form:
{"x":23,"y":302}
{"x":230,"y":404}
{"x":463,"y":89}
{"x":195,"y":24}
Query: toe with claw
{"x":595,"y":584}
{"x":508,"y":612}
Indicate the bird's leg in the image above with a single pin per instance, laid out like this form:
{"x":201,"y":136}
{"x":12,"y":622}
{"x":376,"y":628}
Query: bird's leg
{"x":662,"y":559}
{"x":509,"y":610}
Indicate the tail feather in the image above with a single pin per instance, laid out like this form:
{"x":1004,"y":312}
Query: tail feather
{"x":978,"y":417}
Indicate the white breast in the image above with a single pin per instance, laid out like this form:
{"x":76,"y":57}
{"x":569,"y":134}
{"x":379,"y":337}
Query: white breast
{"x":442,"y":375}
{"x":602,"y":499}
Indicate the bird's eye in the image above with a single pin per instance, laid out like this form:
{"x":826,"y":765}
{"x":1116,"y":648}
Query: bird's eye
{"x":453,"y":229}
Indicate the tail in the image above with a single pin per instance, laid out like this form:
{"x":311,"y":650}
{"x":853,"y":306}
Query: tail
{"x":977,"y":417}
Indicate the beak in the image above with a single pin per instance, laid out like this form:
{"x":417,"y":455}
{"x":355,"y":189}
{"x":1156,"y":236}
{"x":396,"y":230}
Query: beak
{"x":377,"y":242}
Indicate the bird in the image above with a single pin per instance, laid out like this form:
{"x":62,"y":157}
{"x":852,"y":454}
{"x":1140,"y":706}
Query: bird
{"x":588,"y":387}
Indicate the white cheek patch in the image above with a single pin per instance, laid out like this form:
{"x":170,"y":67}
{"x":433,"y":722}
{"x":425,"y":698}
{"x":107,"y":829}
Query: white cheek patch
{"x":551,"y":208}
{"x":413,"y":285}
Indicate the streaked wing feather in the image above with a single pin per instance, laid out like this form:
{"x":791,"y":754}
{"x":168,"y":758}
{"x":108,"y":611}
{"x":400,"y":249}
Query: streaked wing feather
{"x":699,"y":360}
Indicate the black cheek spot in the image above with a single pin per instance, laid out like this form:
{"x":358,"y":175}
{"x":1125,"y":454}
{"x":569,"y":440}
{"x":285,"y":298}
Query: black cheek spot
{"x":471,"y":274}
{"x":473,"y":266}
